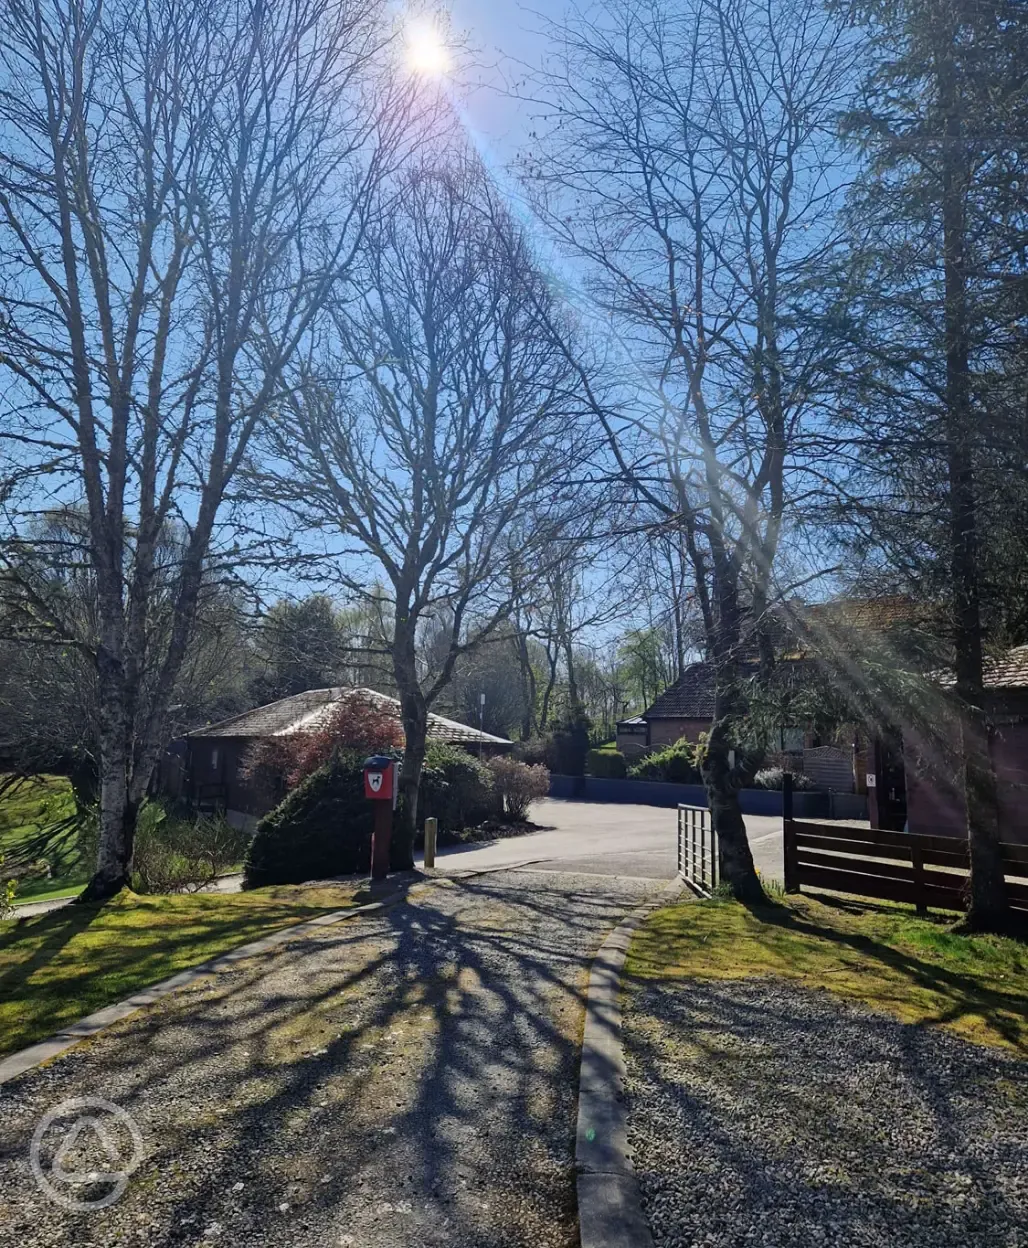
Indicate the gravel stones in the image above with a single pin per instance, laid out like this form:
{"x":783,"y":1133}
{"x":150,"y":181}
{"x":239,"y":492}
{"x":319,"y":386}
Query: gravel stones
{"x":404,"y":1078}
{"x":762,"y":1113}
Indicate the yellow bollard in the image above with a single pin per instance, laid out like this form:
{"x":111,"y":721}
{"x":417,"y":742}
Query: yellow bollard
{"x":431,"y":826}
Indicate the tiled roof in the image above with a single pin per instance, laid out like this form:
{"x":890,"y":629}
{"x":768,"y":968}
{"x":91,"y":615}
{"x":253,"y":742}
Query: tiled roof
{"x":305,"y":712}
{"x":876,"y":615}
{"x":690,"y":697}
{"x":1010,"y":671}
{"x":1005,"y":671}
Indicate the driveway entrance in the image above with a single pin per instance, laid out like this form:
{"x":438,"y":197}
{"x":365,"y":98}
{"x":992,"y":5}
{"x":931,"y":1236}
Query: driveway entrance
{"x":599,"y":838}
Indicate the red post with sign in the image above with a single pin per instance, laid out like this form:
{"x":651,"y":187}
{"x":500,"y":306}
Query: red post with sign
{"x":380,"y":788}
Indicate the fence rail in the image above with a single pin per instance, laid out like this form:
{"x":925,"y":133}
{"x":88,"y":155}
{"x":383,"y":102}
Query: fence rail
{"x":892,"y":866}
{"x":697,"y":849}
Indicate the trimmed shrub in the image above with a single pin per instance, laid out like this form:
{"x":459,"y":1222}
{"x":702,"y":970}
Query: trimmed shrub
{"x":178,"y":854}
{"x":606,"y":764}
{"x":518,"y":784}
{"x":675,"y":764}
{"x":456,"y":788}
{"x":771,"y":778}
{"x":321,"y":829}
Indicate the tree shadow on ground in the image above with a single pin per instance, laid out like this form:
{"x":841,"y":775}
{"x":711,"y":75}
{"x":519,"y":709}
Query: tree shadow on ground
{"x":961,"y":994}
{"x":817,"y":1122}
{"x":424,"y":1059}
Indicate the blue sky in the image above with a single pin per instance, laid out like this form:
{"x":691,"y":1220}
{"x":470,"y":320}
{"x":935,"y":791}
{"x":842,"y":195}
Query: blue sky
{"x":499,"y":30}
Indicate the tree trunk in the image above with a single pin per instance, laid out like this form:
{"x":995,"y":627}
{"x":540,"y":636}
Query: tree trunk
{"x":117,"y":814}
{"x":987,"y":905}
{"x":735,"y":857}
{"x":527,"y":687}
{"x":414,"y":714}
{"x":551,"y":681}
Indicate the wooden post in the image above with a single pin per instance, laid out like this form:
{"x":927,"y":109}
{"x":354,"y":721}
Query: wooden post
{"x":917,"y":861}
{"x":790,"y":864}
{"x":431,"y":828}
{"x":382,"y":834}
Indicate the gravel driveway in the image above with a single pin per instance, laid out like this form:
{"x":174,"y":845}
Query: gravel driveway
{"x":761,"y":1113}
{"x":404,"y":1079}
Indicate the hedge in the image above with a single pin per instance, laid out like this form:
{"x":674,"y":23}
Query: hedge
{"x":456,"y":788}
{"x":321,"y":829}
{"x":675,"y":764}
{"x":606,"y":765}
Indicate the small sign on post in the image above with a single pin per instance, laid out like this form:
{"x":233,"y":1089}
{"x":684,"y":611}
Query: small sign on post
{"x":380,"y":789}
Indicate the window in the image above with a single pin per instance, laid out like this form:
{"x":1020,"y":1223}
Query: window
{"x":214,"y":759}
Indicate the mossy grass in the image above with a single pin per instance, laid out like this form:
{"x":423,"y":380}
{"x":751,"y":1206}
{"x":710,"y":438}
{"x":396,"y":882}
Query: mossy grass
{"x":56,"y":968}
{"x":33,"y":827}
{"x":879,"y":955}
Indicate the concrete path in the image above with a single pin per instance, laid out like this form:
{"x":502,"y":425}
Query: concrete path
{"x":407,"y":1078}
{"x":29,"y":909}
{"x":598,"y":838}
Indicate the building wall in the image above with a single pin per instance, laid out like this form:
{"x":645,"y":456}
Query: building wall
{"x":631,"y":742}
{"x":214,"y":774}
{"x":935,"y":799}
{"x":668,"y":731}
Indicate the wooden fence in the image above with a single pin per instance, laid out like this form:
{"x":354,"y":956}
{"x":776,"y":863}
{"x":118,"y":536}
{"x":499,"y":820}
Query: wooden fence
{"x":697,"y":849}
{"x":893,"y":866}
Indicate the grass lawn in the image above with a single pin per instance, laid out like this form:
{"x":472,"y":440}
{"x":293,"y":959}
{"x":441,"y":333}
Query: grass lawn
{"x":25,"y":814}
{"x":58,"y":967}
{"x":880,"y":955}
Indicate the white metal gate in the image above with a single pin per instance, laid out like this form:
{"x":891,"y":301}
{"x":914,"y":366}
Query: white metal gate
{"x":697,"y":849}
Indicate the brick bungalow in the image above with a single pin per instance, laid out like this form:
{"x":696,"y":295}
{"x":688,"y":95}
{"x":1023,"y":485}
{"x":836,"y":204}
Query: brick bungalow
{"x":935,"y":800}
{"x":686,"y":709}
{"x":211,"y":775}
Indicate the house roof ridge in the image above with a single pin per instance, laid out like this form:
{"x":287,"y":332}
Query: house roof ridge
{"x":274,"y":718}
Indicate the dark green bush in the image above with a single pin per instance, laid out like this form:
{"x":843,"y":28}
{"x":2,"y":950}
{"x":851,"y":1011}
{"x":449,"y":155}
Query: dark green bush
{"x":675,"y":764}
{"x":606,"y":764}
{"x":537,"y":752}
{"x":570,"y":744}
{"x":321,"y":829}
{"x":456,"y":788}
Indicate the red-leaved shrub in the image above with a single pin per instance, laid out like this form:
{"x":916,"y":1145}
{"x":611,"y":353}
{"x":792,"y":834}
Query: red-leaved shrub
{"x":359,"y":722}
{"x":518,"y":784}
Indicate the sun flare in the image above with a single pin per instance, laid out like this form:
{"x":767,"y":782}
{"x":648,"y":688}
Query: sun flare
{"x":426,"y":52}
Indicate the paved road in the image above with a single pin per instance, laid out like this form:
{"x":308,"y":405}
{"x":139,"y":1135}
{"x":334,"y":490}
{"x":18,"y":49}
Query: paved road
{"x":598,"y":838}
{"x":405,"y":1078}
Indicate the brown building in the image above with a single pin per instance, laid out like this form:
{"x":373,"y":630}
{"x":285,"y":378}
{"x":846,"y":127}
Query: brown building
{"x":935,"y":796}
{"x":211,"y":772}
{"x":686,"y":709}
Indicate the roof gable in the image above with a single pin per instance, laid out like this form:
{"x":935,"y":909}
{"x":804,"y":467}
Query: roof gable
{"x":690,"y":697}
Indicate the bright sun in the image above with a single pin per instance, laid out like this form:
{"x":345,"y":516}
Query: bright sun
{"x":426,"y":52}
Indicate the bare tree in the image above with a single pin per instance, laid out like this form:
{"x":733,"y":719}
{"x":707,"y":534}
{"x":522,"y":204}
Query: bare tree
{"x":437,"y":421}
{"x":684,"y":156}
{"x":181,"y":185}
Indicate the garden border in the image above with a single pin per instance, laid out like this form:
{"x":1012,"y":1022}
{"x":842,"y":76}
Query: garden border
{"x":609,"y":1209}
